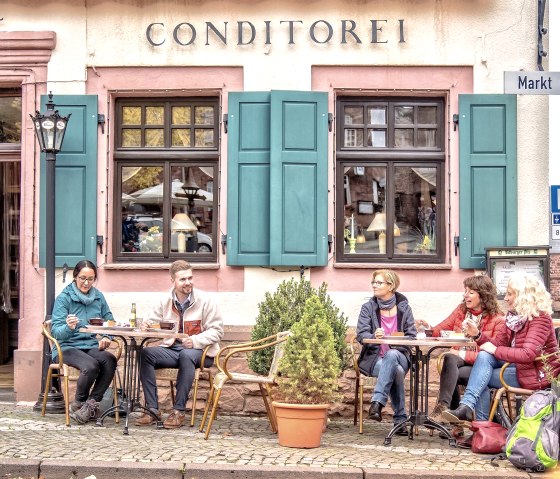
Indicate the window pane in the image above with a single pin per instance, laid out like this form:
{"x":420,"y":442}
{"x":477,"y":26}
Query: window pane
{"x":154,"y":115}
{"x":377,"y":138}
{"x":10,"y":119}
{"x":131,"y":137}
{"x":415,"y":210}
{"x":426,"y":138}
{"x":364,"y":214}
{"x":377,"y":115}
{"x":132,"y":115}
{"x":203,"y":138}
{"x":204,"y":115}
{"x":404,"y":138}
{"x":353,"y":137}
{"x":181,"y":115}
{"x":192,"y":210}
{"x":154,"y":138}
{"x":353,"y":115}
{"x":142,"y":207}
{"x":404,"y":115}
{"x":427,"y":115}
{"x":181,"y":137}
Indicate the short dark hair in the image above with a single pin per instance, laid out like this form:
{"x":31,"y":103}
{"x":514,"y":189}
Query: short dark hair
{"x":179,"y":265}
{"x":85,"y":263}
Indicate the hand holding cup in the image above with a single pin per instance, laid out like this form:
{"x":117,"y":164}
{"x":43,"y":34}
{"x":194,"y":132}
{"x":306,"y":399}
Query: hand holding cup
{"x":72,"y":321}
{"x":379,"y":333}
{"x":470,"y":328}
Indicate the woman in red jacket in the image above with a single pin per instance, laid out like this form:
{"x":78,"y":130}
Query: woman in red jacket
{"x":528,"y":334}
{"x":481,"y":306}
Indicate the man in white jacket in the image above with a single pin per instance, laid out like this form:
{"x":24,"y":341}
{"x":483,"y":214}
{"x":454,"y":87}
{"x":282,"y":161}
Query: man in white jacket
{"x":198,"y":316}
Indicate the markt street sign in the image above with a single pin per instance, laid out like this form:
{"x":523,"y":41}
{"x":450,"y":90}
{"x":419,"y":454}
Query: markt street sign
{"x":532,"y":83}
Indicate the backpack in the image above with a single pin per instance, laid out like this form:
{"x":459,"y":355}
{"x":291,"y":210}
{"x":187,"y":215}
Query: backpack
{"x":532,"y":442}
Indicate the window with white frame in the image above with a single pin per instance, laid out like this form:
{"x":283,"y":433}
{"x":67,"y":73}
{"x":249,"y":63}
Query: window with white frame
{"x":390,"y":162}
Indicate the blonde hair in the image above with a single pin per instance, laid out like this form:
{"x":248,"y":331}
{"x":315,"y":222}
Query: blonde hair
{"x":530,"y":295}
{"x":389,"y":276}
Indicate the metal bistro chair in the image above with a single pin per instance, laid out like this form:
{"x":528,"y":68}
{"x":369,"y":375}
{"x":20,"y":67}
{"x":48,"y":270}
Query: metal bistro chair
{"x":66,"y":373}
{"x":170,"y":374}
{"x":362,"y":381}
{"x":264,"y":382}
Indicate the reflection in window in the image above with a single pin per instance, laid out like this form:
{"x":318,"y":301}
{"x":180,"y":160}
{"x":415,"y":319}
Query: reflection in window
{"x":10,"y":116}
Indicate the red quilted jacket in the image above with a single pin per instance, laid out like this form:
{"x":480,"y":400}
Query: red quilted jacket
{"x":490,"y":325}
{"x":535,"y":339}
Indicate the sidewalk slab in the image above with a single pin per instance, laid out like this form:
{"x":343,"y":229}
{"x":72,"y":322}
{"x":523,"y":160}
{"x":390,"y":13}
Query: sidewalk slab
{"x":218,"y":471}
{"x":77,"y":469}
{"x":499,"y":473}
{"x":14,"y":468}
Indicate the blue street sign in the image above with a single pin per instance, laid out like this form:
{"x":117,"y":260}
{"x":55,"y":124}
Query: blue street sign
{"x":555,"y":198}
{"x":556,"y":218}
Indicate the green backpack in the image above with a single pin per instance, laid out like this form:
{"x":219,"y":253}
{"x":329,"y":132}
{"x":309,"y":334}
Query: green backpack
{"x":532,"y":441}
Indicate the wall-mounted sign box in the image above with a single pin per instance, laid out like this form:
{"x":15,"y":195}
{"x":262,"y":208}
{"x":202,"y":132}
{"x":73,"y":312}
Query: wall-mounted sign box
{"x":502,"y":262}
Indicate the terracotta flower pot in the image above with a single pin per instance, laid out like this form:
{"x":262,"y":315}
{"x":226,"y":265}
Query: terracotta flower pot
{"x":300,"y":425}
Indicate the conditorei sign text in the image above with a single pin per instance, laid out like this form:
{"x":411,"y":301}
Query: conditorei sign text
{"x":288,"y":32}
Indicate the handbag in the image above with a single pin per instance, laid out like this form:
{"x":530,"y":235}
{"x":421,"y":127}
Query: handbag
{"x":488,"y":437}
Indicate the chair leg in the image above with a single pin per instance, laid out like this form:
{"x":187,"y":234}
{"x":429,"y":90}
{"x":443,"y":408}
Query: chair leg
{"x":172,"y":390}
{"x":66,"y":400}
{"x":265,"y":393}
{"x":46,"y":392}
{"x":497,"y":398}
{"x":207,"y":408}
{"x":356,"y":400}
{"x":194,"y":396}
{"x":116,"y":400}
{"x":361,"y":410}
{"x":213,"y":413}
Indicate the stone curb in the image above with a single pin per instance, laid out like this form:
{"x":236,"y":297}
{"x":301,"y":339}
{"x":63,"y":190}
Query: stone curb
{"x":57,"y":469}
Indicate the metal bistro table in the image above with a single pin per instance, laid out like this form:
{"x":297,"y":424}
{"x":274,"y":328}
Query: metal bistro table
{"x":419,"y":380}
{"x":134,"y":340}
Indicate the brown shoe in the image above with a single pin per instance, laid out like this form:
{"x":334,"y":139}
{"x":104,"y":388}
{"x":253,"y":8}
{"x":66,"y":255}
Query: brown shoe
{"x":147,"y":419}
{"x":438,"y":409}
{"x":174,"y":420}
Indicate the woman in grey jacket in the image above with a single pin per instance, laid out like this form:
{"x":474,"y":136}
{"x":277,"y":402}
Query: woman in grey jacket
{"x":387,"y":312}
{"x":77,"y":303}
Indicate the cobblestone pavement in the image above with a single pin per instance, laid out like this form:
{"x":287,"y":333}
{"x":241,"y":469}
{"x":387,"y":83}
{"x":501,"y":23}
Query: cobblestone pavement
{"x":234,"y":441}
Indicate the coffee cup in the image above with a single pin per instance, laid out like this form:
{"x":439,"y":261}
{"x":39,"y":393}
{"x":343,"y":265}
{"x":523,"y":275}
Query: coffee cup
{"x":429,"y":333}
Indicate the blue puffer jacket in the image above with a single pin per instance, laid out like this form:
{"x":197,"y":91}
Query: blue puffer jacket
{"x":68,"y":302}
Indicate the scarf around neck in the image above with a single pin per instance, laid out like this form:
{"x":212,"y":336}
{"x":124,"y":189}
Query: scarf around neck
{"x":387,"y":303}
{"x":86,"y":299}
{"x":514,"y":321}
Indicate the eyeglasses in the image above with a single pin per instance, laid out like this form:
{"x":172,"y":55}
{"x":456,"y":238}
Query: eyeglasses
{"x":378,"y":283}
{"x":86,"y":280}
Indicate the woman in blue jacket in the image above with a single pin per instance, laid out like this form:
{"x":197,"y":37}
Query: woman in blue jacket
{"x":386,"y":313}
{"x":78,"y":302}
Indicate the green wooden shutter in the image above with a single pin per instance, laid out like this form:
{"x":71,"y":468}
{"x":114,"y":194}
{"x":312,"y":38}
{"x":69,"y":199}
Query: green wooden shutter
{"x":248,"y":215}
{"x":488,"y":175}
{"x":76,"y":183}
{"x":277,"y":179}
{"x":298,"y":178}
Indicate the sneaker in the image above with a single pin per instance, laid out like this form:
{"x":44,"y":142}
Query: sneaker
{"x":174,"y":420}
{"x":86,"y":412}
{"x":438,"y":409}
{"x":147,"y":419}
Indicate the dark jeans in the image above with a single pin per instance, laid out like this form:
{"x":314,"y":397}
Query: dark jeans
{"x":97,"y":369}
{"x":454,"y":373}
{"x":185,"y":359}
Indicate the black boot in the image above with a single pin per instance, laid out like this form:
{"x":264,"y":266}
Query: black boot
{"x":462,"y":413}
{"x":375,"y":411}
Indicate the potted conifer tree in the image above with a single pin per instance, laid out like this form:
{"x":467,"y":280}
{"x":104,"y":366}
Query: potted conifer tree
{"x":308,"y":380}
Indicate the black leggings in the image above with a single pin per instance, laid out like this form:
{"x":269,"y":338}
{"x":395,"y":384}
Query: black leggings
{"x":97,"y":369}
{"x":454,"y":373}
